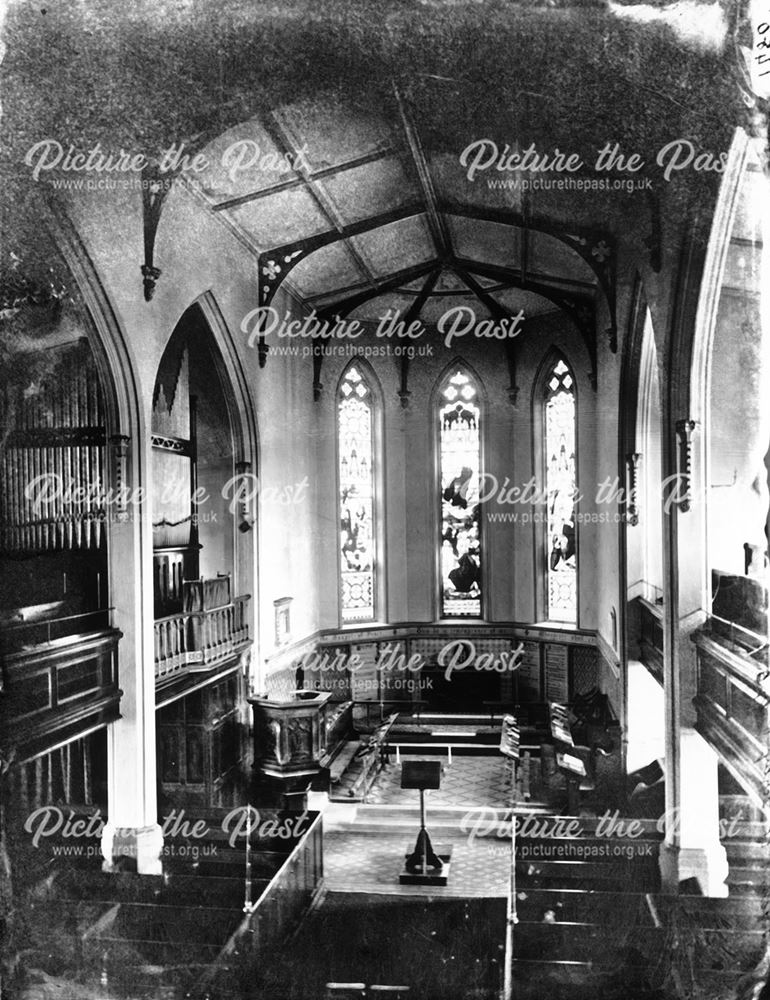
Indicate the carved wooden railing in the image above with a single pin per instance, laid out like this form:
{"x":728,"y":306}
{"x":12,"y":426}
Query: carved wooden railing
{"x":198,"y":640}
{"x":732,"y":704}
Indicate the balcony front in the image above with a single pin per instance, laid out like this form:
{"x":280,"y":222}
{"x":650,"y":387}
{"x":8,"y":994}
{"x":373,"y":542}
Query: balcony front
{"x":200,"y":640}
{"x":60,"y":679}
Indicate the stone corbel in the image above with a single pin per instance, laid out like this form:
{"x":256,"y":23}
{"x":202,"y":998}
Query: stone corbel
{"x":119,"y":443}
{"x":633,"y":461}
{"x":242,"y":470}
{"x":684,"y":432}
{"x":513,"y":389}
{"x":155,"y":187}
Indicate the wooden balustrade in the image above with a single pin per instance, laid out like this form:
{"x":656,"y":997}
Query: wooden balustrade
{"x":198,"y":640}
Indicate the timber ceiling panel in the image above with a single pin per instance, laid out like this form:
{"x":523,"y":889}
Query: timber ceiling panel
{"x":281,"y":218}
{"x":401,"y":244}
{"x":242,"y":161}
{"x":352,"y":173}
{"x":332,"y":134}
{"x":326,"y":271}
{"x":488,"y":242}
{"x":550,"y":256}
{"x":371,"y":189}
{"x":452,"y":184}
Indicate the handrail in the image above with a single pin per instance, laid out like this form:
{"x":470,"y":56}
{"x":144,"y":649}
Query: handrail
{"x":290,"y":857}
{"x":754,"y":636}
{"x":22,"y":636}
{"x":249,"y":926}
{"x":730,"y":664}
{"x":55,"y":621}
{"x":239,"y":598}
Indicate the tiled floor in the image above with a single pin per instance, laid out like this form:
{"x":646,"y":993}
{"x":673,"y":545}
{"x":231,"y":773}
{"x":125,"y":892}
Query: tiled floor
{"x":468,"y":781}
{"x":357,"y":861}
{"x":368,"y":862}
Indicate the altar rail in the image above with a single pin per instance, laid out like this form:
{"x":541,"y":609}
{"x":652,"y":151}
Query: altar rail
{"x":198,"y":640}
{"x":732,"y":705}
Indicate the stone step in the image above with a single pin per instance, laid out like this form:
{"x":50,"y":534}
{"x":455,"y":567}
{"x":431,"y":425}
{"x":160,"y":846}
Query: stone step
{"x":460,"y":819}
{"x":536,"y":820}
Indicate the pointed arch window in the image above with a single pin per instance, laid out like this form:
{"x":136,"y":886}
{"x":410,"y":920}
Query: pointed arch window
{"x":461,"y":557}
{"x":356,"y":451}
{"x":559,"y":446}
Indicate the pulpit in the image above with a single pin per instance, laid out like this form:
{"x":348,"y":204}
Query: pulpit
{"x":289,"y":739}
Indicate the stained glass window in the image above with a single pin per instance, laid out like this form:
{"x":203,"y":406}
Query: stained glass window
{"x":355,"y":429}
{"x":460,"y":467}
{"x":561,"y":487}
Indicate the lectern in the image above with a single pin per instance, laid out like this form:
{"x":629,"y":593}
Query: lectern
{"x":424,"y":866}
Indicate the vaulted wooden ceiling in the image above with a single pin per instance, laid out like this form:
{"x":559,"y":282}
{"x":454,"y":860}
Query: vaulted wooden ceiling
{"x":382,"y":97}
{"x":360,"y":216}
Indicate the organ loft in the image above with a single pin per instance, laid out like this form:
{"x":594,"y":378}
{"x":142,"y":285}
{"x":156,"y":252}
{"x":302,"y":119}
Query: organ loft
{"x":384,"y":501}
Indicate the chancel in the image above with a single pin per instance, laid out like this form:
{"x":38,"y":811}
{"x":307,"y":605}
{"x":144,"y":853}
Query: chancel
{"x":384,"y":397}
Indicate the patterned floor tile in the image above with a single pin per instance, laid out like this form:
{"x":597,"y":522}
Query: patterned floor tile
{"x":366,"y":863}
{"x":467,"y":781}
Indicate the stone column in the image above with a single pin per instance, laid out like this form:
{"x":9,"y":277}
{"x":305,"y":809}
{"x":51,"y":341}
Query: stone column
{"x":132,"y":830}
{"x":691,"y":847}
{"x":695,"y":851}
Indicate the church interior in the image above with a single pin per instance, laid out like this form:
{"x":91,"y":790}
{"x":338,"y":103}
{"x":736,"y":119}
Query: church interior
{"x":385,"y":453}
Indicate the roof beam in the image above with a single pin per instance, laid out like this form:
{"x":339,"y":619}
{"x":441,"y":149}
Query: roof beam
{"x":596,"y":249}
{"x":496,"y":309}
{"x":579,"y":308}
{"x":274,"y":265}
{"x":374,"y":156}
{"x":501,"y":313}
{"x":436,"y":222}
{"x":345,"y":306}
{"x":411,"y":314}
{"x":286,"y":145}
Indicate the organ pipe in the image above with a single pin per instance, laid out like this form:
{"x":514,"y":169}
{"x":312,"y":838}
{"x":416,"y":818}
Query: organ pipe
{"x":55,"y":441}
